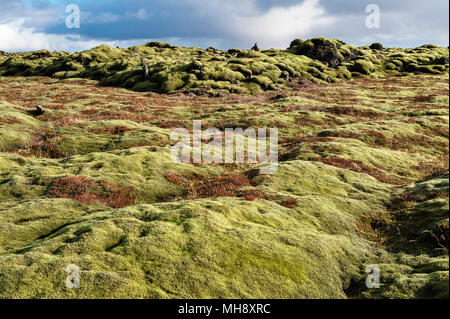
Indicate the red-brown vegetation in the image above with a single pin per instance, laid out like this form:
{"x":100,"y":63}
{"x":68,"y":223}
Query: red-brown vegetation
{"x":174,"y":178}
{"x":88,"y":191}
{"x":221,"y":186}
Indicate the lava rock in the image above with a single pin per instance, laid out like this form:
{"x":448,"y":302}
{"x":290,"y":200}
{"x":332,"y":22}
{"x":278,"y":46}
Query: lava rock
{"x":376,"y":46}
{"x":321,"y":49}
{"x":36,"y":112}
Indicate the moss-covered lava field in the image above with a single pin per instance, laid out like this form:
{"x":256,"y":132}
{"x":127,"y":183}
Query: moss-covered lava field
{"x":362,"y":177}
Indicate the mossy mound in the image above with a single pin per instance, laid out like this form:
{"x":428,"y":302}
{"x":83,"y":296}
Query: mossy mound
{"x":223,"y":248}
{"x":423,"y":216}
{"x":331,"y":51}
{"x":420,"y":270}
{"x":172,"y":69}
{"x":409,"y":277}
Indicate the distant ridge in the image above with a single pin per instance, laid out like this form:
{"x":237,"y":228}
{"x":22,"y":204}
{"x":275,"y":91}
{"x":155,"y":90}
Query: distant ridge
{"x":196,"y":70}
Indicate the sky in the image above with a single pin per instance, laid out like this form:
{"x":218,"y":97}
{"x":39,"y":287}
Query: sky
{"x":41,"y":24}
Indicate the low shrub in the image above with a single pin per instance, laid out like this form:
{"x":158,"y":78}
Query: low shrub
{"x":89,"y":191}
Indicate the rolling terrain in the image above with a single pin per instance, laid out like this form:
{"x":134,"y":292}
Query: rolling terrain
{"x":362,"y":179}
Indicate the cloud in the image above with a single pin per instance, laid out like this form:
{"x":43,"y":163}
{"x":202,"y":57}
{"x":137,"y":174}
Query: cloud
{"x":142,"y":14}
{"x":280,"y":25}
{"x":402,"y":28}
{"x":102,"y":18}
{"x":15,"y":36}
{"x":225,"y":24}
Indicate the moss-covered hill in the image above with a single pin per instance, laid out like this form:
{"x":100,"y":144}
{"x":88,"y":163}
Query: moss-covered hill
{"x":363,"y":178}
{"x":171,"y":68}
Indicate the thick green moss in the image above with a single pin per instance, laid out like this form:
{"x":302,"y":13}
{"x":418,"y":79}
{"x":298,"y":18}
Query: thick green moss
{"x":336,"y":204}
{"x":319,"y":60}
{"x":363,"y":67}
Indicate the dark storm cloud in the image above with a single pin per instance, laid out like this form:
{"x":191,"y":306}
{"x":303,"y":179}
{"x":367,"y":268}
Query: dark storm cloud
{"x":232,"y":23}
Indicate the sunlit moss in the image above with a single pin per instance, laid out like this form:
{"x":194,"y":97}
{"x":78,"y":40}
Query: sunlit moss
{"x":173,"y":69}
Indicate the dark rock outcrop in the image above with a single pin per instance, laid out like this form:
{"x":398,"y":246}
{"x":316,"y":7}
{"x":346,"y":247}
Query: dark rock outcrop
{"x":321,"y":49}
{"x":255,"y":47}
{"x":144,"y":68}
{"x":376,"y":46}
{"x":36,"y":112}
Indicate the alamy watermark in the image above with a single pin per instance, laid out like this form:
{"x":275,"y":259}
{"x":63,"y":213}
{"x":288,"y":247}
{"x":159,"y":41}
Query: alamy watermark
{"x":373,"y":279}
{"x":73,"y":19}
{"x":230,"y":146}
{"x":73,"y":279}
{"x":374,"y":17}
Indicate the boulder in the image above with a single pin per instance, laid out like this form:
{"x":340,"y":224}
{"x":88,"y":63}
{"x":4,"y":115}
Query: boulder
{"x":376,"y":46}
{"x":255,"y":47}
{"x":39,"y":110}
{"x":321,"y":49}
